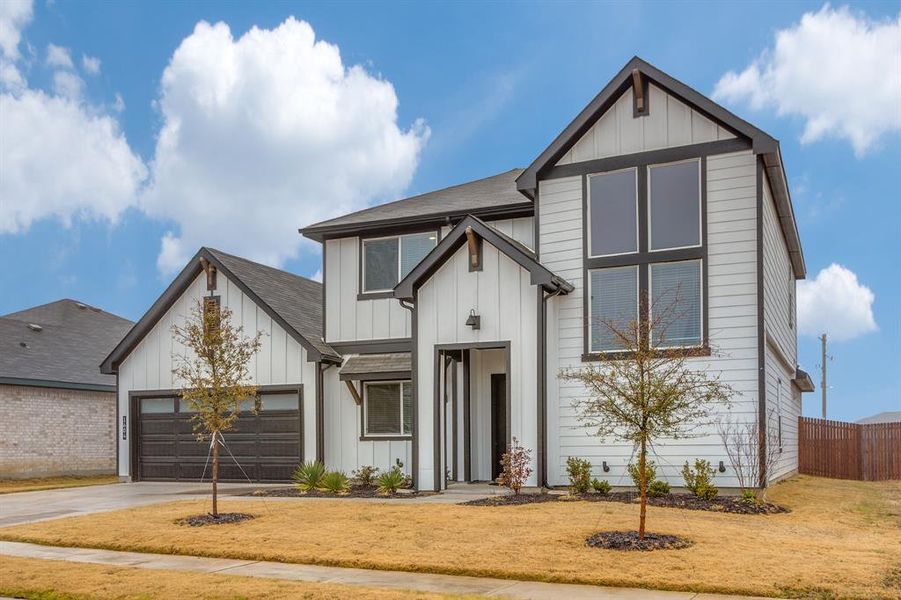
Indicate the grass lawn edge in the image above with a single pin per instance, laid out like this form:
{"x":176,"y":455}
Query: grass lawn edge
{"x":378,"y":566}
{"x":64,"y":483}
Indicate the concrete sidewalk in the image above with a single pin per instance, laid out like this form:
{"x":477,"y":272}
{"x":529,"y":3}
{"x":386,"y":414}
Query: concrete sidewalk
{"x":425,"y":582}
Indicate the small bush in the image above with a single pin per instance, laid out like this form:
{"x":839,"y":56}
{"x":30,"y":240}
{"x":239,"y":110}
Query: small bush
{"x":366,"y":475}
{"x":579,"y":471}
{"x":334,"y":482}
{"x":515,"y":469}
{"x":390,"y":481}
{"x":658,"y":489}
{"x":699,"y":480}
{"x":602,"y":487}
{"x":308,"y":475}
{"x":650,"y":474}
{"x":750,"y":497}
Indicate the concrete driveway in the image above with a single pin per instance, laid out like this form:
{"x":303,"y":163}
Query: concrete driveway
{"x":28,"y":507}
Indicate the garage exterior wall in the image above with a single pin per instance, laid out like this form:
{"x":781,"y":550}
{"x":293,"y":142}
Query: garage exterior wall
{"x":51,"y":431}
{"x":281,"y":360}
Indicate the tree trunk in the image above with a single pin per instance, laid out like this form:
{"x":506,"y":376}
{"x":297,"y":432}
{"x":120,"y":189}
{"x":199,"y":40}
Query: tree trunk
{"x":216,"y":474}
{"x":642,"y":488}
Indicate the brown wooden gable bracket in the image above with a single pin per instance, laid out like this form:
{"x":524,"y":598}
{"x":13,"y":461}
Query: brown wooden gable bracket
{"x":210,"y":270}
{"x":354,"y":392}
{"x":474,"y":243}
{"x":639,"y":94}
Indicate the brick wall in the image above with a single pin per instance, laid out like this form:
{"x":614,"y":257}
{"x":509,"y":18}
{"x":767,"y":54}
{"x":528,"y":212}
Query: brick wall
{"x":47,"y":431}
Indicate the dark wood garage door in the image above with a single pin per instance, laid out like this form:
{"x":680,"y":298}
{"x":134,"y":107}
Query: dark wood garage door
{"x":266,"y":445}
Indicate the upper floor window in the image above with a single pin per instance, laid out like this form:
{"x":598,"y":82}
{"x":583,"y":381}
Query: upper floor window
{"x":645,"y":254}
{"x":387,"y":260}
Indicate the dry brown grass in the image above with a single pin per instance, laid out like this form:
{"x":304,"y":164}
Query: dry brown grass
{"x":841,"y":539}
{"x":11,"y":486}
{"x":57,"y":580}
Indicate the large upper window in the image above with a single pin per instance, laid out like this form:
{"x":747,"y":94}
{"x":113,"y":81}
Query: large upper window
{"x":613,"y":206}
{"x":387,"y":408}
{"x":387,"y":260}
{"x":645,"y":245}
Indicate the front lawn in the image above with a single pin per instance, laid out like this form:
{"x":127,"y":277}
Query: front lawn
{"x":60,"y":580}
{"x":11,"y":486}
{"x":841,"y":539}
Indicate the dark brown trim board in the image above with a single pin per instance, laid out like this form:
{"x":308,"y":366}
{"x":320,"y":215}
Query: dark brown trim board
{"x":379,"y":346}
{"x":467,"y":416}
{"x":761,"y":334}
{"x":66,"y":385}
{"x":320,"y":410}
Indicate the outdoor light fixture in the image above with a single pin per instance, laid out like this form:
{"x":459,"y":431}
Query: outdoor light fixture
{"x":606,"y":467}
{"x":722,"y":467}
{"x":474,"y":320}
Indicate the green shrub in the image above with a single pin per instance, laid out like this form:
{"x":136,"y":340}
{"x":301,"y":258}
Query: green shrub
{"x":749,"y":497}
{"x":650,"y":474}
{"x":699,"y":480}
{"x":579,"y":471}
{"x":308,"y":475}
{"x":602,"y":487}
{"x":334,"y":482}
{"x":392,"y":480}
{"x":658,"y":489}
{"x":366,"y":475}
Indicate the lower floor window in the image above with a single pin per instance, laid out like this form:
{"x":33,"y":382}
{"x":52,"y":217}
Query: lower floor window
{"x":388,"y":408}
{"x":676,"y":298}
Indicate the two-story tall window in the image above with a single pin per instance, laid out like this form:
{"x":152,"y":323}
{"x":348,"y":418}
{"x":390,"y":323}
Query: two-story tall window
{"x":387,"y":260}
{"x":645,"y":244}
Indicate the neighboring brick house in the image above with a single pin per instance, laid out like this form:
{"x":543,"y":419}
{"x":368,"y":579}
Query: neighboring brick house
{"x":58,"y":411}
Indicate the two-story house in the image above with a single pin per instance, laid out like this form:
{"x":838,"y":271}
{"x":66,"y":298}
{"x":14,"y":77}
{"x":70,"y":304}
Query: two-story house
{"x":447,"y":317}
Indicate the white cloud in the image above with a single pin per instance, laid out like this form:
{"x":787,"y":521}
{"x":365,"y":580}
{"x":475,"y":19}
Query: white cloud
{"x":91,"y":64}
{"x":835,"y":303}
{"x":317,"y":276}
{"x":839,"y":70}
{"x":68,"y":84}
{"x":267,"y":133}
{"x":57,"y":56}
{"x":61,"y":160}
{"x":14,"y":15}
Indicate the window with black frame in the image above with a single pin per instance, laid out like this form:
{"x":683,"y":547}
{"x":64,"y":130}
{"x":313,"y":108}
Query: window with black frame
{"x":387,"y":408}
{"x":645,"y":244}
{"x":387,"y":260}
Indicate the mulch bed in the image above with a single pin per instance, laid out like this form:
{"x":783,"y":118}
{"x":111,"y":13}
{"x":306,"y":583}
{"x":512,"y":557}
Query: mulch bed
{"x":356,"y":491}
{"x":726,"y":504}
{"x":513,"y":500}
{"x":628,"y":541}
{"x":221,"y":519}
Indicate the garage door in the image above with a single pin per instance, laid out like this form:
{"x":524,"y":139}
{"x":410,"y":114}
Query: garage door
{"x":267,"y":446}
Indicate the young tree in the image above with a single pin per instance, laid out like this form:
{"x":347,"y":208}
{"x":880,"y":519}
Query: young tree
{"x":515,"y":466}
{"x":646,"y":391}
{"x":213,"y":374}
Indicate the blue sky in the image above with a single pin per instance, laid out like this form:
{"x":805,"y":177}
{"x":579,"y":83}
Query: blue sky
{"x":479,"y":89}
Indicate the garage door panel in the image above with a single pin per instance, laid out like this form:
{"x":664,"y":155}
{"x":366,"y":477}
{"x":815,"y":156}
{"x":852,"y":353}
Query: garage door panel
{"x":266,"y":445}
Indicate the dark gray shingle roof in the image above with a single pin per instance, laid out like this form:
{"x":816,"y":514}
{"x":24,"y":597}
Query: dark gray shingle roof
{"x":296,"y":299}
{"x":72,"y":340}
{"x":497,"y":191}
{"x":365,"y":364}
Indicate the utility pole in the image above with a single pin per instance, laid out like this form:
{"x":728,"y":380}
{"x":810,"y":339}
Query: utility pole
{"x":823,"y":371}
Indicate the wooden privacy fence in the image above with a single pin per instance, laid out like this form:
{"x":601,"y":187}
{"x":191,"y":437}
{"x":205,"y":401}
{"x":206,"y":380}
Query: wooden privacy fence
{"x":870,"y":452}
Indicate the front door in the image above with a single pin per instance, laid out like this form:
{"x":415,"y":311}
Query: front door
{"x":498,"y":422}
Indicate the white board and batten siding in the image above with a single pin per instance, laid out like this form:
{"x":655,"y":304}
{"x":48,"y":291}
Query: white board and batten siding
{"x":349,"y":319}
{"x":281,"y":360}
{"x":502,"y":294}
{"x":670,"y":123}
{"x":732,"y":286}
{"x":781,"y":340}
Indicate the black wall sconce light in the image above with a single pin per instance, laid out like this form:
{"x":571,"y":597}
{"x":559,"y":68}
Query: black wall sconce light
{"x":474,"y":320}
{"x":606,"y":467}
{"x":722,"y":467}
